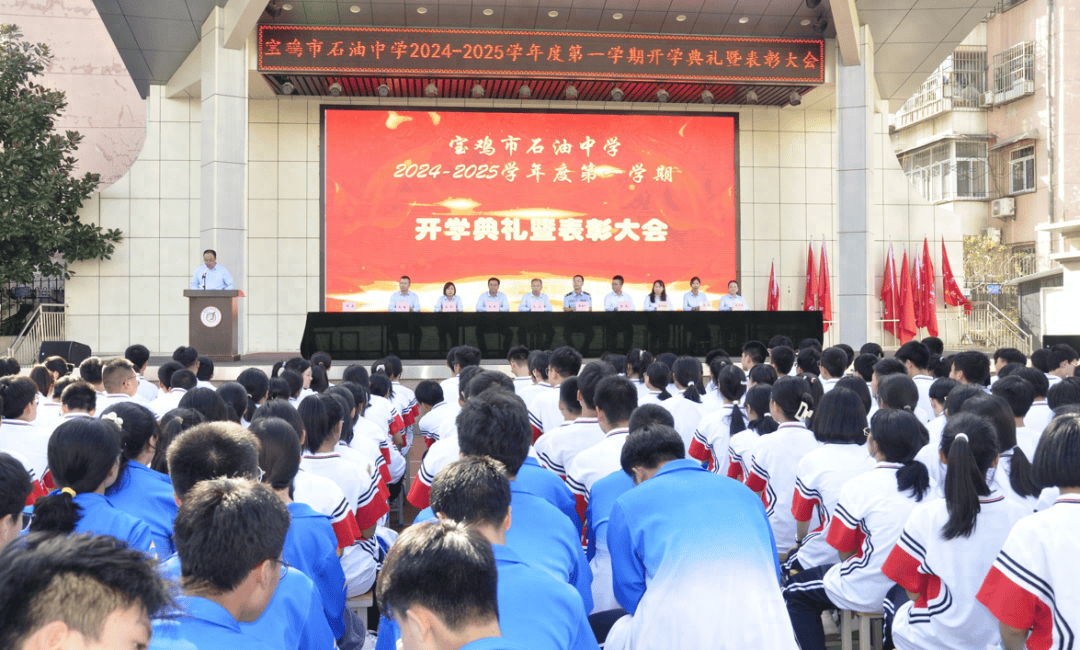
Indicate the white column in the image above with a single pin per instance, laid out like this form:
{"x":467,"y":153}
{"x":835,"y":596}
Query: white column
{"x":224,"y":151}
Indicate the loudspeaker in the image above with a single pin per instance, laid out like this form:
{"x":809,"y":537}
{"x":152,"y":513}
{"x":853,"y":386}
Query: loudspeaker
{"x":72,"y":351}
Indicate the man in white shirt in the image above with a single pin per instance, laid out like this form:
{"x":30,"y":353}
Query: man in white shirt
{"x":139,"y":356}
{"x":831,"y":366}
{"x":180,"y":383}
{"x":121,"y":384}
{"x":537,"y":300}
{"x":916,"y":359}
{"x":1062,"y":361}
{"x":211,"y":276}
{"x":90,"y":372}
{"x":78,"y":401}
{"x":617,"y":300}
{"x":971,"y":367}
{"x":544,"y":414}
{"x":404,"y":300}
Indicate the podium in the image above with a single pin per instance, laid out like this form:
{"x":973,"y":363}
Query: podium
{"x":213,"y":329}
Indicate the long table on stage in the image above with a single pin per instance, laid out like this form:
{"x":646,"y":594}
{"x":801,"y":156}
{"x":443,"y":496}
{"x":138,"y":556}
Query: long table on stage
{"x":429,"y":336}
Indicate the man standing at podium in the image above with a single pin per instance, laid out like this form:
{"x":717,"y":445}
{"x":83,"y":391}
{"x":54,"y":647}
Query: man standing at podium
{"x":211,"y":276}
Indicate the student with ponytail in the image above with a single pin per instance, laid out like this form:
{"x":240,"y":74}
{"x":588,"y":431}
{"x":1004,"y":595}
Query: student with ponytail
{"x":759,"y":423}
{"x":776,"y":457}
{"x":1032,"y":588}
{"x":84,"y":460}
{"x":257,"y":385}
{"x":949,"y":545}
{"x":139,"y":490}
{"x":657,"y":378}
{"x":637,"y":363}
{"x":1014,"y":474}
{"x":714,"y":432}
{"x":685,"y":406}
{"x":839,"y":425}
{"x":867,"y":522}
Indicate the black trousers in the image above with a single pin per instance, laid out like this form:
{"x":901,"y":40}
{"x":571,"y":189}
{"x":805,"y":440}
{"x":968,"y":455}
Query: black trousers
{"x":896,"y":597}
{"x":806,"y":599}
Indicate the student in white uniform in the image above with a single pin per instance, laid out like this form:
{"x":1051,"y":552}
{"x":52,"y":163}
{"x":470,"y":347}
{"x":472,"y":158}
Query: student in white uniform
{"x":121,"y":384}
{"x":538,"y":371}
{"x":863,"y":367}
{"x":759,"y":423}
{"x":971,"y":367}
{"x":939,"y":391}
{"x":433,"y":409}
{"x":916,"y":358}
{"x":898,"y":391}
{"x":685,"y":405}
{"x":17,"y":430}
{"x":929,"y":455}
{"x":615,"y":399}
{"x":556,"y":449}
{"x":831,"y":367}
{"x":869,"y":518}
{"x":713,"y":435}
{"x":637,"y":363}
{"x":839,"y":425}
{"x":180,"y":382}
{"x":1040,"y":413}
{"x":776,"y":456}
{"x":1032,"y":589}
{"x":1013,"y":474}
{"x":948,"y":546}
{"x":139,"y":356}
{"x":1065,"y":393}
{"x":544,"y":414}
{"x":518,"y":358}
{"x":1020,"y":395}
{"x":781,"y":358}
{"x":48,"y":410}
{"x":657,"y":379}
{"x":1061,"y":361}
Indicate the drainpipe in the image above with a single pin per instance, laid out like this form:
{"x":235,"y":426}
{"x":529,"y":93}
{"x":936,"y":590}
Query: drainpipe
{"x":1051,"y":147}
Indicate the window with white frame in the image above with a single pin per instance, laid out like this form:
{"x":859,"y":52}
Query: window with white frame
{"x":1022,"y":170}
{"x":949,"y":171}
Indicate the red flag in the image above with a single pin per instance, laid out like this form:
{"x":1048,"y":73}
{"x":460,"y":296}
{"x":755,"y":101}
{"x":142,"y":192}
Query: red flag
{"x":773,"y":302}
{"x":907,"y":307}
{"x":953,"y":295}
{"x":811,"y":281}
{"x":916,"y":290}
{"x":824,"y":294}
{"x":929,"y":291}
{"x":889,"y":293}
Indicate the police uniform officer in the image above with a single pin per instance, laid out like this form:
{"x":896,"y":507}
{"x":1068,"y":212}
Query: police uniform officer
{"x":570,"y":303}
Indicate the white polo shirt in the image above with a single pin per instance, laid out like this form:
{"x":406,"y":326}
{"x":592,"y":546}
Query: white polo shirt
{"x":361,"y":489}
{"x":26,"y":440}
{"x":116,"y":398}
{"x":924,"y":409}
{"x":324,"y":497}
{"x":544,"y":413}
{"x":819,"y":478}
{"x":429,"y":423}
{"x":712,"y":439}
{"x":557,"y":449}
{"x":167,"y":402}
{"x":741,"y":453}
{"x":948,"y":574}
{"x":772,"y":472}
{"x":528,"y":392}
{"x":1039,"y":415}
{"x":595,"y":463}
{"x":687,"y":415}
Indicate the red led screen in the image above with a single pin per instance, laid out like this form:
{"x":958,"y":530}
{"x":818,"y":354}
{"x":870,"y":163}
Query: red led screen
{"x":462,"y":196}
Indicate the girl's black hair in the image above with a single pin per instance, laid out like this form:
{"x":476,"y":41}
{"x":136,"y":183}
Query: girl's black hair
{"x":898,"y":392}
{"x":236,"y":399}
{"x":41,"y":376}
{"x":668,"y":358}
{"x":663,"y":291}
{"x":395,"y":365}
{"x":298,"y":365}
{"x":295,"y":381}
{"x":840,"y":418}
{"x":757,"y":400}
{"x":321,"y":414}
{"x":360,"y":397}
{"x":322,"y":359}
{"x":279,"y":452}
{"x":275,"y":370}
{"x":207,"y":402}
{"x":346,"y":418}
{"x":792,"y":395}
{"x":763,"y":373}
{"x":280,"y":408}
{"x":900,"y":436}
{"x":717,"y":365}
{"x":185,"y":356}
{"x":997,"y":411}
{"x":257,"y":386}
{"x":58,"y":365}
{"x":1057,"y":458}
{"x":138,"y":428}
{"x":638,"y":362}
{"x":970,"y":443}
{"x":16,"y":393}
{"x":687,"y":372}
{"x":277,"y":388}
{"x":319,"y":381}
{"x":659,"y":376}
{"x":731,"y":383}
{"x":960,"y":394}
{"x":172,"y":424}
{"x":859,"y":387}
{"x":382,"y":366}
{"x":379,"y":384}
{"x":82,"y":453}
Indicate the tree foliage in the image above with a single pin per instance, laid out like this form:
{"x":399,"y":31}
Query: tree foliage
{"x":40,"y":230}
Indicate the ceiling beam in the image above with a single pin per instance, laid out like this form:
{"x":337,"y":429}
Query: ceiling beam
{"x":188,"y":77}
{"x":241,"y":16}
{"x":846,"y":20}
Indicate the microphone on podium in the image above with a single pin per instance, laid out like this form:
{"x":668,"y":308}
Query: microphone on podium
{"x":204,"y":279}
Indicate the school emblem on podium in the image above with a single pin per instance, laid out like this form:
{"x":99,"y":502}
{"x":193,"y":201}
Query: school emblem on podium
{"x":211,"y":317}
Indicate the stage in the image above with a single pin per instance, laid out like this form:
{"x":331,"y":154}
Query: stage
{"x":429,"y":336}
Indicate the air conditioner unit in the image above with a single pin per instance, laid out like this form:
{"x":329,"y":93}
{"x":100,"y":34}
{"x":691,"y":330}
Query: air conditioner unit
{"x":988,"y":98}
{"x":994,"y":235}
{"x":1003,"y":208}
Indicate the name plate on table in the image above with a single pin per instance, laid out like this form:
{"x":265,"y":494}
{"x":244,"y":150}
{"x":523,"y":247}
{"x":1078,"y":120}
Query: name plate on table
{"x":536,"y":306}
{"x":348,"y":305}
{"x":662,"y":306}
{"x":581,"y":305}
{"x":624,"y":306}
{"x":493,"y":305}
{"x":739,"y":306}
{"x":401,"y":306}
{"x":449,"y":306}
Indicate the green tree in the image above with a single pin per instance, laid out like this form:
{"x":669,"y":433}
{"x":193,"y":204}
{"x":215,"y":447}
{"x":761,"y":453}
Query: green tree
{"x":40,"y":230}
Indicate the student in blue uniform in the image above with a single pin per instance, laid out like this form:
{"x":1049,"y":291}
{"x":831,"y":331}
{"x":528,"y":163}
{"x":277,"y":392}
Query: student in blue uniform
{"x":77,"y":591}
{"x":84,"y":461}
{"x":311,"y":545}
{"x":294,"y":619}
{"x":140,"y":491}
{"x":678,"y":535}
{"x":225,"y":583}
{"x":440,"y":583}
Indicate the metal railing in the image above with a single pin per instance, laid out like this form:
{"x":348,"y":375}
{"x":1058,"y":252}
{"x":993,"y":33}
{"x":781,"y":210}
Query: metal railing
{"x":986,"y":326}
{"x":1013,"y":66}
{"x":957,"y":84}
{"x":47,"y":323}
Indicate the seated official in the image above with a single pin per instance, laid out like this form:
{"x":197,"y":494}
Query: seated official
{"x":440,"y":584}
{"x":211,"y":276}
{"x":732,"y":301}
{"x":493,"y":300}
{"x":691,"y":555}
{"x":77,"y":592}
{"x":535,"y":301}
{"x":450,"y":301}
{"x":617,"y":300}
{"x":404,"y":300}
{"x":577,"y":300}
{"x":475,"y":491}
{"x":657,"y":300}
{"x":695,"y":299}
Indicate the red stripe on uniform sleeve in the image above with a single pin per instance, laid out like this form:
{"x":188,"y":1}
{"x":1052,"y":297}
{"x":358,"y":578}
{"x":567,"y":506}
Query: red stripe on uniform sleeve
{"x":420,"y":494}
{"x":903,"y":569}
{"x":755,"y":482}
{"x":410,"y":416}
{"x":429,"y":442}
{"x":843,"y":538}
{"x":369,"y":515}
{"x":537,"y":432}
{"x":384,"y":472}
{"x":396,"y":425}
{"x":346,"y":531}
{"x":1015,"y":606}
{"x":383,"y":490}
{"x":734,"y":469}
{"x":582,"y":505}
{"x":385,"y":454}
{"x":801,"y":507}
{"x":699,"y":451}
